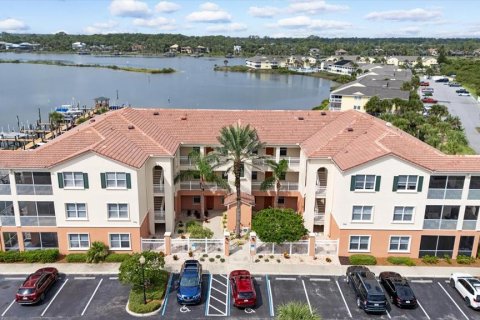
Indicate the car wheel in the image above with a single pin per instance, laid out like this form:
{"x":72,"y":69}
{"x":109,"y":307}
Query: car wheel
{"x":467,"y":301}
{"x":359,"y":303}
{"x":452,"y":283}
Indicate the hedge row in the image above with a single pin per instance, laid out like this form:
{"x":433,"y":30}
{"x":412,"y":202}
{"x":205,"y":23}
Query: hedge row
{"x":405,"y":261}
{"x":45,"y":256}
{"x":82,"y":257}
{"x":362,"y":259}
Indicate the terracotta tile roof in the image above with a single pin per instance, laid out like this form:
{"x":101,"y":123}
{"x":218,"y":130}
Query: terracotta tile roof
{"x":131,"y":136}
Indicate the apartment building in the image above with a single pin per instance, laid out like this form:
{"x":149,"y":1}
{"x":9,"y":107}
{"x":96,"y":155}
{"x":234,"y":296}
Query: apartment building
{"x":264,"y":62}
{"x":353,"y":177}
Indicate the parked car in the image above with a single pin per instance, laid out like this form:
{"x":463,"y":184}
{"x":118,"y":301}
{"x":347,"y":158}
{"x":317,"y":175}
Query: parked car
{"x":189,"y":286}
{"x":429,"y":100}
{"x":424,"y":84}
{"x":468,"y":287}
{"x":427,"y":94}
{"x":465,"y":94}
{"x":243,"y":289}
{"x":454,"y":84}
{"x":370,"y":296}
{"x":36,"y":286}
{"x":442,"y":80}
{"x":462,"y":90}
{"x":428,"y":89}
{"x":398,"y":289}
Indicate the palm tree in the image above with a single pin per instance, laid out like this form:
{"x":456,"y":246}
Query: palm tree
{"x":56,"y":119}
{"x":279,"y":170}
{"x":203,"y":171}
{"x":238,"y":146}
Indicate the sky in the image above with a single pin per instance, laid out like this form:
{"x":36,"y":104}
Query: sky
{"x":273,"y":18}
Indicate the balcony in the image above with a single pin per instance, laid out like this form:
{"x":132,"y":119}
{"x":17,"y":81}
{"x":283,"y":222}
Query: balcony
{"x":5,"y":189}
{"x":320,"y":191}
{"x":186,"y":161}
{"x":473,"y":194}
{"x":293,"y":162}
{"x":195,"y":185}
{"x":444,"y":194}
{"x":256,"y":186}
{"x":158,"y":188}
{"x":159,"y":215}
{"x":34,"y":189}
{"x":288,"y":186}
{"x":7,"y":221}
{"x":440,"y":224}
{"x":38,"y":221}
{"x":262,"y":162}
{"x":469,"y":224}
{"x":319,"y":218}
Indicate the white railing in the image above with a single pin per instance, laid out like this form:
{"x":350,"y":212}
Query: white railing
{"x":319,"y":218}
{"x":256,"y":185}
{"x":320,"y":190}
{"x":153,"y":245}
{"x":195,"y":185}
{"x":262,"y":162}
{"x":288,"y":186}
{"x":5,"y":189}
{"x":328,"y":247}
{"x":38,"y":221}
{"x":186,"y":161}
{"x":159,"y":215}
{"x":197,"y":245}
{"x":7,"y":221}
{"x":34,"y":189}
{"x":445,"y":224}
{"x":159,"y":188}
{"x":298,"y":247}
{"x":469,"y":224}
{"x":292,"y":161}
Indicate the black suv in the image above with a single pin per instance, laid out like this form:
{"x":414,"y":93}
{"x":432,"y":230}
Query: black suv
{"x":370,"y":296}
{"x":398,"y":289}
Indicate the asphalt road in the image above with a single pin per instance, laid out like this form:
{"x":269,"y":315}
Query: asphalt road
{"x":103,"y":297}
{"x":466,"y":108}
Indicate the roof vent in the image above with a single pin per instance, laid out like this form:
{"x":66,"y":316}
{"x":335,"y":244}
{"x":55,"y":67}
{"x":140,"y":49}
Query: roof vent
{"x":131,"y":127}
{"x":388,"y":124}
{"x":184,"y":117}
{"x":301,"y":118}
{"x":156,"y":113}
{"x":349,"y":129}
{"x":323,"y":113}
{"x":92,"y":120}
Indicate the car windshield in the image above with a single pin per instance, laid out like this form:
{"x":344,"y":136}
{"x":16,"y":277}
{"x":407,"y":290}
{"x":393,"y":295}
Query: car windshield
{"x":24,"y":291}
{"x":404,"y":292}
{"x":376,"y":297}
{"x":245,"y":295}
{"x":189,"y":281}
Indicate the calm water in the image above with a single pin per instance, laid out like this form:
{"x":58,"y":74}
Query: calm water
{"x":24,"y":88}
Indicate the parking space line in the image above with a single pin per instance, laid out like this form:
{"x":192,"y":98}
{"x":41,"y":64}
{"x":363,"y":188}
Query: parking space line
{"x":165,"y":301}
{"x":421,"y":281}
{"x":388,"y":314}
{"x":14,"y":278}
{"x":320,"y":279}
{"x":220,"y":315}
{"x":90,"y":300}
{"x":343,"y":297}
{"x":84,"y":278}
{"x":287,"y":279}
{"x":421,"y":307}
{"x":223,"y":284}
{"x":219,"y":291}
{"x":223,"y":276}
{"x":270,"y":300}
{"x":218,"y":301}
{"x":53,"y":299}
{"x":306,"y":295}
{"x":11,"y":304}
{"x":453,"y":300}
{"x":113,"y":278}
{"x":208,"y":295}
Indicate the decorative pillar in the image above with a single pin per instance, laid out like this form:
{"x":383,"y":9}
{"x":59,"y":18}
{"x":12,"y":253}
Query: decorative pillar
{"x":168,"y":243}
{"x":311,"y":244}
{"x":253,"y":243}
{"x":226,"y":243}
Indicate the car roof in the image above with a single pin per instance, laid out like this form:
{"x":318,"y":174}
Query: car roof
{"x":244,"y":283}
{"x":32,"y":280}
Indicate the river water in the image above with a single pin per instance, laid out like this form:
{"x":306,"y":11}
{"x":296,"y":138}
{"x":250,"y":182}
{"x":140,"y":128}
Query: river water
{"x":24,"y":88}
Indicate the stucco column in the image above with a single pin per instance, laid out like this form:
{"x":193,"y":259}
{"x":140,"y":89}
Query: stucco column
{"x":311,"y":244}
{"x":253,"y":243}
{"x":21,"y":244}
{"x":456,"y":245}
{"x":475,"y":247}
{"x":168,"y":243}
{"x":226,"y":243}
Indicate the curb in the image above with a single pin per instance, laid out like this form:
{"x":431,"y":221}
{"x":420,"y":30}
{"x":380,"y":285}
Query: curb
{"x":142,"y":315}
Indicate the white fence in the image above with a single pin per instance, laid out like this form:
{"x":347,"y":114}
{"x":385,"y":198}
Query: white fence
{"x":326,"y":247}
{"x":153,"y":245}
{"x":299,"y":247}
{"x":197,"y":245}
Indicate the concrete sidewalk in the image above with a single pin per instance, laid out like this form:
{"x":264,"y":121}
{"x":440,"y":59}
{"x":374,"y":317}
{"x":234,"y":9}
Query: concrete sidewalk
{"x":254,"y":268}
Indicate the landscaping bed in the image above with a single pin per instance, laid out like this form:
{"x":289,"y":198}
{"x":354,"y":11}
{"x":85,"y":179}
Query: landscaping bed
{"x":155,"y":294}
{"x":419,"y":262}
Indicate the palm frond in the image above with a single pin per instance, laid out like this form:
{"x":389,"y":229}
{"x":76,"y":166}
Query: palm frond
{"x":267,"y":184}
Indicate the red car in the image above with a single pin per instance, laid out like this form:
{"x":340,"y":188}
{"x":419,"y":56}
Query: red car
{"x":424,"y":83}
{"x":36,"y":286}
{"x":429,"y":100}
{"x":243,"y":289}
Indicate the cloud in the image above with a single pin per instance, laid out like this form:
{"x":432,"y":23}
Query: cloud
{"x":13,"y":25}
{"x":230,"y":27}
{"x":263,"y":12}
{"x":129,"y":8}
{"x":101,"y":27}
{"x":417,"y":14}
{"x":156,"y":23}
{"x":209,"y":13}
{"x":312,"y":24}
{"x":314,"y":7}
{"x":167,"y":7}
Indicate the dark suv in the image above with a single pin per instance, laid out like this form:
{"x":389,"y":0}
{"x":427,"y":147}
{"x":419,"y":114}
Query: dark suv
{"x":398,"y":289}
{"x":189,"y":287}
{"x":370,"y":296}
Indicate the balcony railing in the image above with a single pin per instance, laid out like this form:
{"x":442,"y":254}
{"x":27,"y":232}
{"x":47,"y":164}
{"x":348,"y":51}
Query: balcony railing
{"x":444,"y":193}
{"x":319,"y":218}
{"x":7,"y":221}
{"x":38,"y":221}
{"x":256,"y":186}
{"x":469,"y":224}
{"x":293,"y":162}
{"x":186,"y":161}
{"x":34,"y":189}
{"x":159,"y":215}
{"x":195,"y":185}
{"x":320,"y":190}
{"x":158,"y":188}
{"x":288,"y":186}
{"x":262,"y":162}
{"x":5,"y":189}
{"x":440,"y":224}
{"x":474,"y":194}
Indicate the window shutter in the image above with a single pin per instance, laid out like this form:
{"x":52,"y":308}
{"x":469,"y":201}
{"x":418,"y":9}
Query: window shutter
{"x":85,"y":180}
{"x":60,"y":180}
{"x":103,"y":179}
{"x":420,"y":184}
{"x":395,"y":183}
{"x":378,"y":179}
{"x":129,"y":181}
{"x":352,"y":184}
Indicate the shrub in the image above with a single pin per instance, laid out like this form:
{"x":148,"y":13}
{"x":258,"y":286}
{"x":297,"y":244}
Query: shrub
{"x":260,"y":256}
{"x":190,"y":253}
{"x":278,"y":225}
{"x":191,"y":223}
{"x":117,"y":257}
{"x":272,"y":256}
{"x":98,"y":252}
{"x":404,"y":261}
{"x":130,"y":271}
{"x":266,"y":260}
{"x":211,"y":259}
{"x":429,"y":259}
{"x":286,"y":255}
{"x":45,"y":256}
{"x":461,"y":259}
{"x":447,"y":259}
{"x":296,"y":310}
{"x":257,"y":260}
{"x":328,"y":260}
{"x":222,"y":260}
{"x":76,"y":257}
{"x":278,"y":260}
{"x":362,"y":259}
{"x":175,"y":257}
{"x":10,"y":256}
{"x":205,"y":255}
{"x":217,"y":256}
{"x":202,"y":259}
{"x":180,"y":231}
{"x":198,"y":232}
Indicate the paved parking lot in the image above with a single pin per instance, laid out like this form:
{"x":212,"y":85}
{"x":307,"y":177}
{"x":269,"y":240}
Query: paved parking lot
{"x":98,"y":297}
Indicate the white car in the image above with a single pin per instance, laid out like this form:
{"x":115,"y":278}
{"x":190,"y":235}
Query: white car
{"x":468,"y":287}
{"x":465,"y":94}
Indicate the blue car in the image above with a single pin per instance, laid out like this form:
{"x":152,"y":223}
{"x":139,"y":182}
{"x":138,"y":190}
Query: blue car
{"x":189,"y":286}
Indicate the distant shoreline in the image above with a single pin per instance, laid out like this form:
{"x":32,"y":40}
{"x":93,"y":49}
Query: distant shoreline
{"x":82,"y":65}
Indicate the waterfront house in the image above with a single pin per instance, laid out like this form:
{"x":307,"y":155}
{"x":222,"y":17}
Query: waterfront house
{"x":340,"y":52}
{"x":173,"y":48}
{"x":263,"y":62}
{"x":186,"y":50}
{"x":79,"y":46}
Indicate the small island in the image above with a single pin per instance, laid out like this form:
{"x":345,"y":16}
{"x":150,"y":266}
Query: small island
{"x":83,"y":65}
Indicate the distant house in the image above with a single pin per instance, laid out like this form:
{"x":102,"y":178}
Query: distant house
{"x":476,"y":52}
{"x":137,"y":47}
{"x":354,"y":58}
{"x":432,"y":52}
{"x":237,"y":49}
{"x":346,"y":67}
{"x":174,"y":48}
{"x":297,"y":61}
{"x":429,"y":61}
{"x":3,"y":45}
{"x":340,"y":52}
{"x":262,"y":62}
{"x":201,"y":49}
{"x":186,"y":50}
{"x":78,"y":46}
{"x":402,"y":60}
{"x":314,"y":52}
{"x":457,"y":53}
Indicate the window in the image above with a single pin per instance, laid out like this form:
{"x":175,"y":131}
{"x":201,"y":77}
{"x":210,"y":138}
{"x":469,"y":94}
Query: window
{"x":403,"y":214}
{"x":117,"y":211}
{"x":283,"y":152}
{"x":474,"y":182}
{"x":441,"y":217}
{"x":7,"y":215}
{"x":78,"y":241}
{"x":407,"y":183}
{"x":399,"y":243}
{"x":120,"y":241}
{"x":224,"y":175}
{"x":365,"y":182}
{"x":438,"y":246}
{"x":33,"y":183}
{"x":73,"y":180}
{"x":196,"y":199}
{"x":281,"y":200}
{"x":254,"y":175}
{"x":4,"y":182}
{"x":359,"y":243}
{"x":40,"y":240}
{"x":362,"y":213}
{"x":40,"y":213}
{"x":445,"y":187}
{"x":76,"y":211}
{"x":116,"y":179}
{"x":11,"y":241}
{"x":471,"y":212}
